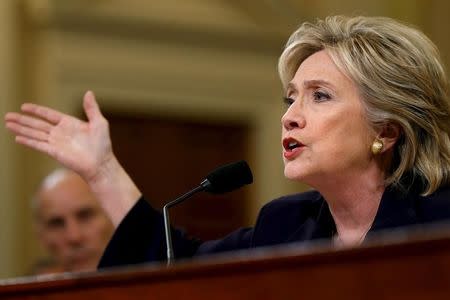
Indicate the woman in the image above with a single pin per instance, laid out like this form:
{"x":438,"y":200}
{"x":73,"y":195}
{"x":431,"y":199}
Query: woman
{"x":367,"y":126}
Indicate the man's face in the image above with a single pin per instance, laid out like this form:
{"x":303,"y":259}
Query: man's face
{"x":71,"y":224}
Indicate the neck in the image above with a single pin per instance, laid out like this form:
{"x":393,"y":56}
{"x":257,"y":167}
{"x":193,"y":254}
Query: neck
{"x":353,"y":203}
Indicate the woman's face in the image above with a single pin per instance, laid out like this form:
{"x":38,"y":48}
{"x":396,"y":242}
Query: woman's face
{"x":325,"y":135}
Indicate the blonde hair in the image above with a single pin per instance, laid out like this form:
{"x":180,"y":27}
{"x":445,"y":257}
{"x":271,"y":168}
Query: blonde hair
{"x":401,"y":80}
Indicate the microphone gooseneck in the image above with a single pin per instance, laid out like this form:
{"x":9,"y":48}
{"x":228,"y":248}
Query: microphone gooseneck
{"x":222,"y":180}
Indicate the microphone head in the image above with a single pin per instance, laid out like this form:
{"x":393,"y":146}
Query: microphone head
{"x":228,"y":177}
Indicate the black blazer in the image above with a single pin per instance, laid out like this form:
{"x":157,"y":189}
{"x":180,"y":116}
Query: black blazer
{"x":295,"y":218}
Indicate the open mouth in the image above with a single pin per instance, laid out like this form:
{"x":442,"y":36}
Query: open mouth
{"x":290,"y":144}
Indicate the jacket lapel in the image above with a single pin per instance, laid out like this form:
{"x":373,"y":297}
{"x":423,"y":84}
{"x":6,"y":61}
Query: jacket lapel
{"x":396,"y":209}
{"x":318,"y":226}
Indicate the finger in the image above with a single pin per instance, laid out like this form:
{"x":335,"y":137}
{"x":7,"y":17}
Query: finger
{"x":28,"y":132}
{"x":36,"y":145}
{"x":12,"y":116}
{"x":28,"y":121}
{"x":46,"y":113}
{"x":91,"y":107}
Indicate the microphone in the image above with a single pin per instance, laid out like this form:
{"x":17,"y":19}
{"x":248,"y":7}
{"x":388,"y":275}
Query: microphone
{"x":222,"y":180}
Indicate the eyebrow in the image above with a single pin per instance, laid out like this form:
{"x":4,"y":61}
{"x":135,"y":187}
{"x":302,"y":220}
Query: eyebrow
{"x":291,"y":86}
{"x":310,"y":83}
{"x":318,"y":82}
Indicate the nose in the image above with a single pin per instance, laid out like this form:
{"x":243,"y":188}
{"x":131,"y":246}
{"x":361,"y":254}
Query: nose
{"x":74,"y":233}
{"x":293,"y":118}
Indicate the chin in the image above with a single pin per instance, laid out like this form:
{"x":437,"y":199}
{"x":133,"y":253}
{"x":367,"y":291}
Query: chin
{"x":293,"y":173}
{"x":85,"y":267}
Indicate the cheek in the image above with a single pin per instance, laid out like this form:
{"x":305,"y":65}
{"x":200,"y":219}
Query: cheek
{"x":344,"y":137}
{"x":100,"y":229}
{"x":56,"y":243}
{"x":349,"y":143}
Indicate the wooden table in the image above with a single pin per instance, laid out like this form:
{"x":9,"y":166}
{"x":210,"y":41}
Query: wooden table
{"x":397,"y":266}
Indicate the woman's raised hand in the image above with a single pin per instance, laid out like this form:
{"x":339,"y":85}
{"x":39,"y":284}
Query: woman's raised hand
{"x":84,"y":147}
{"x":81,"y":146}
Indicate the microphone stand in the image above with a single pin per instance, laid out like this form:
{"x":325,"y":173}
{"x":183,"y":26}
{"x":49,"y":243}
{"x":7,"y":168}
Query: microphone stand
{"x":167,"y":229}
{"x":221,"y":180}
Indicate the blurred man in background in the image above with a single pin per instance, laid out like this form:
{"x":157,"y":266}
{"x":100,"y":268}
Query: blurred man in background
{"x":70,"y":223}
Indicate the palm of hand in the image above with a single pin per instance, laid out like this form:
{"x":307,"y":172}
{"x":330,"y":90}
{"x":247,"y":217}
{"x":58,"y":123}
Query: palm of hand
{"x":78,"y":145}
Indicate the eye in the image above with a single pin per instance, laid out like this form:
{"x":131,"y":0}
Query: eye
{"x":55,"y":223}
{"x":86,"y":214}
{"x":288,"y":101}
{"x":320,"y":96}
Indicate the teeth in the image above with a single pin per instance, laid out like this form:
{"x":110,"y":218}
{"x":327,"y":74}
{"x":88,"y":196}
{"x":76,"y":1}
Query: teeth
{"x":292,"y":145}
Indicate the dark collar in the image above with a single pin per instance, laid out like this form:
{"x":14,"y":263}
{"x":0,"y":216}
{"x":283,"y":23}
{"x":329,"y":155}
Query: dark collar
{"x":396,"y":209}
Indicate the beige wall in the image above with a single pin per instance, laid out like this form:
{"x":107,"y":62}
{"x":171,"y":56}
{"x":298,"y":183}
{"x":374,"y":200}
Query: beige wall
{"x":8,"y":156}
{"x":200,"y":58}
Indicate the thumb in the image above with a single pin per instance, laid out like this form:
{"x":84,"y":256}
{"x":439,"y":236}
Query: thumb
{"x":90,"y":106}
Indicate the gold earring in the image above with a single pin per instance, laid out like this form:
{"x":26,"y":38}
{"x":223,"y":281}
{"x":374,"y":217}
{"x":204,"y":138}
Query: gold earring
{"x":377,"y":146}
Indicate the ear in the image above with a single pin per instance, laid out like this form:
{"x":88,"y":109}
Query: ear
{"x":389,"y":134}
